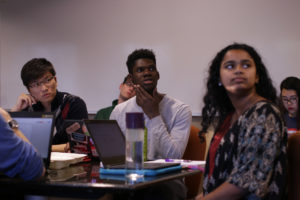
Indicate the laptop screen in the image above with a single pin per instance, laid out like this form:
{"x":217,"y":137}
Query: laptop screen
{"x":38,"y":128}
{"x":108,"y":139}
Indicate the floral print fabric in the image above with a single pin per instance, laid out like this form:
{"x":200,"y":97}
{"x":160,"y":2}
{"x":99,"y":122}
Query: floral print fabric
{"x":252,"y":154}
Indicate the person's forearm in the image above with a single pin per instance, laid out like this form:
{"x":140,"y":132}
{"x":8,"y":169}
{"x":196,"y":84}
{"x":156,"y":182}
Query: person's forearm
{"x":226,"y":191}
{"x":20,"y":134}
{"x":7,"y":118}
{"x":169,"y":144}
{"x":59,"y":147}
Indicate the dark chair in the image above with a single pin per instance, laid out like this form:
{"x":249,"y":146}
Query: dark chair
{"x":293,"y":153}
{"x":195,"y":150}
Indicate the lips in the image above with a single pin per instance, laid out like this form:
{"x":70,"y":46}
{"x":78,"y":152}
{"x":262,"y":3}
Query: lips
{"x":238,"y":80}
{"x":148,"y":81}
{"x":46,"y":95}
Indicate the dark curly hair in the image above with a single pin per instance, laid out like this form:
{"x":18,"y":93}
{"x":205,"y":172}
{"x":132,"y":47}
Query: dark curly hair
{"x":35,"y":69}
{"x":138,"y":54}
{"x":216,"y":101}
{"x":291,"y":83}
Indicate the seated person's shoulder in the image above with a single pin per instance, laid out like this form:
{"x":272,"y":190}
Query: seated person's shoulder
{"x":175,"y":104}
{"x":104,"y":113}
{"x":74,"y":101}
{"x":71,"y":97}
{"x":266,"y":107}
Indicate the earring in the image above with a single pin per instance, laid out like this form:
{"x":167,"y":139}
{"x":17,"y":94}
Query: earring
{"x":220,"y":84}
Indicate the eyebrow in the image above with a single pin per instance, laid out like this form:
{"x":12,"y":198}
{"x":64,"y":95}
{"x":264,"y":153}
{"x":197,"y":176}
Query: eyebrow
{"x":232,"y":61}
{"x":290,"y":96}
{"x":41,"y":79}
{"x":146,"y":66}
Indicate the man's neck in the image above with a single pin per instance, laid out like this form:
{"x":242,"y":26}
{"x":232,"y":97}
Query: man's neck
{"x":121,"y":99}
{"x":47,"y":106}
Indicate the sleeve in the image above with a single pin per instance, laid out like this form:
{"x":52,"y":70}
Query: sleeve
{"x":98,"y":115}
{"x":104,"y":113}
{"x":172,"y":143}
{"x":17,"y":157}
{"x":259,"y":145}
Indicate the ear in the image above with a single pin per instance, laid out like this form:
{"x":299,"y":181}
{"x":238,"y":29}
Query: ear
{"x":30,"y":93}
{"x":158,"y":76}
{"x":120,"y":87}
{"x":55,"y":80}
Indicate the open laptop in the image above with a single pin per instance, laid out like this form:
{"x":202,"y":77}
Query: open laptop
{"x":38,"y":128}
{"x":110,"y":145}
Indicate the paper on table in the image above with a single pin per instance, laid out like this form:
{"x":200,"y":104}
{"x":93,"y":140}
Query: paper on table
{"x":191,"y":164}
{"x":60,"y":160}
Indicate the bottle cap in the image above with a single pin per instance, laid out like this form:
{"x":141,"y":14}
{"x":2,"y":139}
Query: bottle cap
{"x":135,"y":120}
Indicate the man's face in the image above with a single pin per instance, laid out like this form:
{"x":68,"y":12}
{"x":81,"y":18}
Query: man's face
{"x":144,"y":73}
{"x":44,"y":88}
{"x":126,"y":90}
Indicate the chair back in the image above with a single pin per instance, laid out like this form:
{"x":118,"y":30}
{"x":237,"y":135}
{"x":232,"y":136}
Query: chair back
{"x":195,"y":150}
{"x":293,"y":154}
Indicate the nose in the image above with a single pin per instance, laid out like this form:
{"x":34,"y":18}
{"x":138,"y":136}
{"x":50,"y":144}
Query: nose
{"x":43,"y":87}
{"x":147,"y":71}
{"x":238,"y":69}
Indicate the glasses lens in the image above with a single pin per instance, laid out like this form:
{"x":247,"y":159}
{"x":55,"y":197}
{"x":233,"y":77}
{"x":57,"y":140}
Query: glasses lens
{"x":45,"y":82}
{"x":129,"y":84}
{"x":290,"y":100}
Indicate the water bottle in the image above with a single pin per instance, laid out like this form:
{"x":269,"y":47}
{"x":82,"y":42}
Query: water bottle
{"x":134,"y":145}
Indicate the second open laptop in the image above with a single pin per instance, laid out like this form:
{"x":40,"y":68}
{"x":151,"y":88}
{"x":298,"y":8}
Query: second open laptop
{"x":38,"y":128}
{"x":110,"y":144}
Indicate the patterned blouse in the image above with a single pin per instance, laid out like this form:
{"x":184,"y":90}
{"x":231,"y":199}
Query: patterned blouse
{"x":251,"y":154}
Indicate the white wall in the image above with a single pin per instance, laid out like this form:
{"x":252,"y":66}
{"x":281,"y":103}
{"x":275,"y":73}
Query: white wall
{"x":88,"y":42}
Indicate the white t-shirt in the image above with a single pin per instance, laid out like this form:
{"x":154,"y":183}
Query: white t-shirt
{"x":168,"y":133}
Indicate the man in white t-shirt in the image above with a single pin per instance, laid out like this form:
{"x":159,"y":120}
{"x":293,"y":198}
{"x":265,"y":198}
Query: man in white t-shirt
{"x":167,"y":120}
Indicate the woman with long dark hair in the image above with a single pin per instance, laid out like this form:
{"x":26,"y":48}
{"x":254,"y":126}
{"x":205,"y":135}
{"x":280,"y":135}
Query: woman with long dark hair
{"x":247,"y":155}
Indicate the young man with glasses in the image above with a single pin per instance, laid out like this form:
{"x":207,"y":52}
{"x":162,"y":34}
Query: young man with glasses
{"x":126,"y":92}
{"x":38,"y":76}
{"x":289,"y":94}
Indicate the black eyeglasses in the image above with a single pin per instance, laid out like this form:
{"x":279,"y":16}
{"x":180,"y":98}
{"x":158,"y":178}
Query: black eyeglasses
{"x":46,"y":82}
{"x":129,"y":84}
{"x":292,"y":99}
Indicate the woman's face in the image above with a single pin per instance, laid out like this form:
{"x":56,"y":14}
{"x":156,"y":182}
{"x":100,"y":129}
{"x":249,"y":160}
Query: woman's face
{"x":238,"y":73}
{"x":289,"y":100}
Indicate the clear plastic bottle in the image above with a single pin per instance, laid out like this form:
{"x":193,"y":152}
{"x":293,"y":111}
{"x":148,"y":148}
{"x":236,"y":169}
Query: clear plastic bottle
{"x":134,"y":145}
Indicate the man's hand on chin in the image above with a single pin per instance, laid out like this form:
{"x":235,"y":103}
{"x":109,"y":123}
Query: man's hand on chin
{"x":149,"y":104}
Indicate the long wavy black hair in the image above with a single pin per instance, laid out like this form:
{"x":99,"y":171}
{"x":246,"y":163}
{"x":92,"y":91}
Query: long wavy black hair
{"x":217,"y":104}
